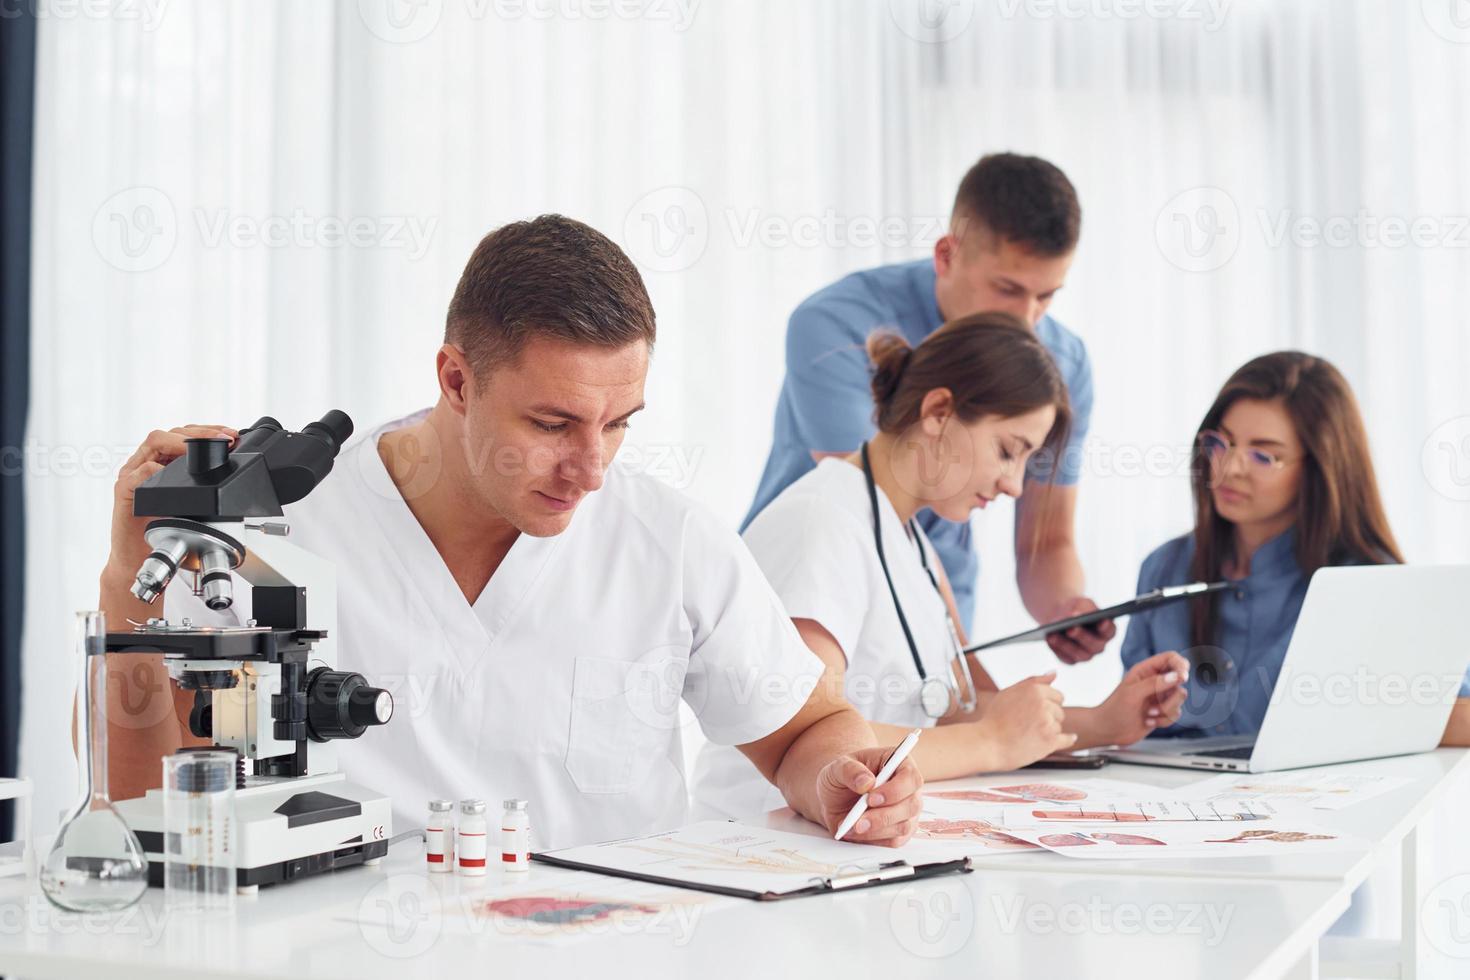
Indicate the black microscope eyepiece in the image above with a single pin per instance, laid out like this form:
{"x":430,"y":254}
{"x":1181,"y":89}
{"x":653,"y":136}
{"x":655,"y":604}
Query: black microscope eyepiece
{"x":267,"y":468}
{"x":257,"y":436}
{"x":334,"y":427}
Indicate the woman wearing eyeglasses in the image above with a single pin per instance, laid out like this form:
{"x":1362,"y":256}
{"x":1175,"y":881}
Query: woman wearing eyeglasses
{"x":958,"y":417}
{"x":1283,"y":485}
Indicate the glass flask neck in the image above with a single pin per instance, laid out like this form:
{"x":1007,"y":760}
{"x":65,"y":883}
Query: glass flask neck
{"x":92,"y":711}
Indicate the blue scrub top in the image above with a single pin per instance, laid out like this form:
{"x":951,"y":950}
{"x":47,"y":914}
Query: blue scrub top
{"x":1257,"y":618}
{"x":826,"y":402}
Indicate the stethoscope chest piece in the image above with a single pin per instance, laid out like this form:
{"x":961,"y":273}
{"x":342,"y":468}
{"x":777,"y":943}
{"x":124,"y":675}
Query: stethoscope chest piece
{"x":934,"y":697}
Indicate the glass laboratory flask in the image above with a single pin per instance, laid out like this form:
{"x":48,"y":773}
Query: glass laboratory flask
{"x":96,"y":863}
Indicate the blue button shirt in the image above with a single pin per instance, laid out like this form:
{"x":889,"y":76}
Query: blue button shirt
{"x":826,"y":403}
{"x":1257,"y":618}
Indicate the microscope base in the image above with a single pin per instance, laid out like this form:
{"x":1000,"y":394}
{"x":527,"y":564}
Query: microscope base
{"x":285,"y":828}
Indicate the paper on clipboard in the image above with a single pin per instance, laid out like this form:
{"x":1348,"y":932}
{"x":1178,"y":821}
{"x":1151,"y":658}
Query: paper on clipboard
{"x":746,"y":861}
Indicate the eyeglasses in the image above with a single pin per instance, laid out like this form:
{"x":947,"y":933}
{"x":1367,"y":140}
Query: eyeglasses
{"x":1216,"y":448}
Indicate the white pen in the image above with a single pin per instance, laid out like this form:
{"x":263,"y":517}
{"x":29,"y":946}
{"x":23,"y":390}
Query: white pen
{"x":886,"y":773}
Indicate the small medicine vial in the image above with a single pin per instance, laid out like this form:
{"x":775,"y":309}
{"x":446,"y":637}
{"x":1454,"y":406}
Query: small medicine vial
{"x":439,"y":836}
{"x":515,"y":837}
{"x":470,"y":843}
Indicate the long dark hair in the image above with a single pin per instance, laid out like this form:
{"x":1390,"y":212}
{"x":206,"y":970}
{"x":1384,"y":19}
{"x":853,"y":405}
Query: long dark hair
{"x":1339,"y":514}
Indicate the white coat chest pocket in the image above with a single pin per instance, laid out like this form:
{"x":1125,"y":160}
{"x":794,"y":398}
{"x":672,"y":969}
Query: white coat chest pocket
{"x":625,"y":714}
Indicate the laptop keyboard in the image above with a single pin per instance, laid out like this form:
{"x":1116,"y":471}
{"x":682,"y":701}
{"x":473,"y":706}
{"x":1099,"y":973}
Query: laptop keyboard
{"x":1241,"y":752}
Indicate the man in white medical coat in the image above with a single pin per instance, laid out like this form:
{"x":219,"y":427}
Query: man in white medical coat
{"x":537,"y":614}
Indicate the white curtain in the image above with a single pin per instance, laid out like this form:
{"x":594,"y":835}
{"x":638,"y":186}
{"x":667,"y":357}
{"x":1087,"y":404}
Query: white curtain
{"x":247,"y":208}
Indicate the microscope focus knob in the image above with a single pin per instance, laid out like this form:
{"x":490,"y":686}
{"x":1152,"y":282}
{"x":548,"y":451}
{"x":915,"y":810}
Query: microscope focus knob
{"x":341,"y":704}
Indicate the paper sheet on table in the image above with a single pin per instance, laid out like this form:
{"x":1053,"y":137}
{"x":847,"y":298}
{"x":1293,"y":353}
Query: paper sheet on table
{"x":1221,"y":809}
{"x":969,"y":827}
{"x":970,"y":821}
{"x":963,"y":828}
{"x":1320,"y":789}
{"x":978,"y":821}
{"x":1188,"y":840}
{"x":1020,"y":792}
{"x":999,"y":816}
{"x":947,"y":831}
{"x":569,"y":907}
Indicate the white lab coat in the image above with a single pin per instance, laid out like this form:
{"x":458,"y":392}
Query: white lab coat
{"x":561,"y":683}
{"x":815,"y":544}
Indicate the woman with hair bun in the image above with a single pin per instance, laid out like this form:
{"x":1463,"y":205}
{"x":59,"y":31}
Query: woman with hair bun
{"x":958,"y":418}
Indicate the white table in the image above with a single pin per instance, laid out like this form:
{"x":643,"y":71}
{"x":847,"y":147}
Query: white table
{"x":1027,"y":914}
{"x":367,"y":923}
{"x":1390,"y":822}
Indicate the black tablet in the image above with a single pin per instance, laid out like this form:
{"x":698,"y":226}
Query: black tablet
{"x":1149,"y":600}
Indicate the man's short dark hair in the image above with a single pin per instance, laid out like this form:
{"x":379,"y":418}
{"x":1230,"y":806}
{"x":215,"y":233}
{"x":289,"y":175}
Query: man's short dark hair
{"x":1019,"y":199}
{"x":548,"y":277}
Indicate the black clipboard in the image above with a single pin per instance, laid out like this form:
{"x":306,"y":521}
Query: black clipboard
{"x":1149,"y":600}
{"x":887,"y":873}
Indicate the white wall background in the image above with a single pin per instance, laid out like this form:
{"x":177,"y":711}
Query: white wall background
{"x":199,"y":166}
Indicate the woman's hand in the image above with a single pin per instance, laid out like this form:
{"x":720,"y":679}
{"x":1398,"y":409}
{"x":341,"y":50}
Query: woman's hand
{"x":1151,"y":695}
{"x":1023,"y":723}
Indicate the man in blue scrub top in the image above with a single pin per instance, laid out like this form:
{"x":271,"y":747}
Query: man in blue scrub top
{"x":1012,"y":236}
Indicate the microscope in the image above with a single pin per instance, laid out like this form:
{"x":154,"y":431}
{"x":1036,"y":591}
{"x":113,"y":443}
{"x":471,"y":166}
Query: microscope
{"x":268,"y":689}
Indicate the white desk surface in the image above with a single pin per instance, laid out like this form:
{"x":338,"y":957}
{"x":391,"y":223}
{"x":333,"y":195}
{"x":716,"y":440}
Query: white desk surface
{"x":1383,"y":821}
{"x":988,"y":923}
{"x":1027,"y":914}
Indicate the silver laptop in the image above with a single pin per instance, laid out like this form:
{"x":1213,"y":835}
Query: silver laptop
{"x":1372,"y":670}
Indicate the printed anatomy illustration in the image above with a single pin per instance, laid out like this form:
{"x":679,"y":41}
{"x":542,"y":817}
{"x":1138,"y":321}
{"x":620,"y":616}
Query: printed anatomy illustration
{"x":1280,"y":836}
{"x":559,"y":910}
{"x":1083,"y":840}
{"x":1026,"y":793}
{"x":940,"y":828}
{"x":1130,"y":839}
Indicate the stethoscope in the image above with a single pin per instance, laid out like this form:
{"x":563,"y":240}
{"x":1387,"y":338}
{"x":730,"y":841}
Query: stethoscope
{"x":936,"y":695}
